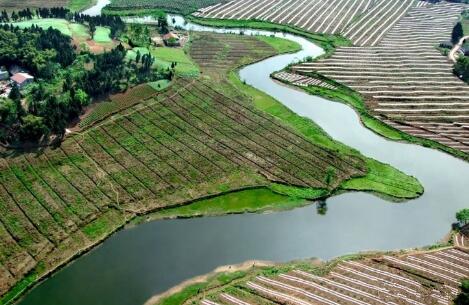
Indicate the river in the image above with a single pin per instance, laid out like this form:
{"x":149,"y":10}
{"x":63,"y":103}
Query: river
{"x":136,"y":263}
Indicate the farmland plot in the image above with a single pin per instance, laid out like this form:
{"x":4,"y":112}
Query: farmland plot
{"x":217,"y":54}
{"x":413,"y":279}
{"x":406,"y":82}
{"x":182,"y":144}
{"x":363,"y":21}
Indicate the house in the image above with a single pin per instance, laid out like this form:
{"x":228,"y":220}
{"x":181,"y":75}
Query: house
{"x":171,"y":39}
{"x":4,"y":74}
{"x":157,"y":41}
{"x":22,"y":79}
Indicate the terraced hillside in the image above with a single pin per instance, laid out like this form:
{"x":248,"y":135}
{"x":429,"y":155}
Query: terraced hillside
{"x":217,"y":54}
{"x":364,"y":22}
{"x":406,"y":82}
{"x":184,"y":144}
{"x":422,"y":278}
{"x":147,"y":150}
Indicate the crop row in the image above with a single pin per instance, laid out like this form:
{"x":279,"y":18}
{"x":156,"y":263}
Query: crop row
{"x":404,"y":79}
{"x":323,"y":16}
{"x":373,"y":281}
{"x":176,"y":146}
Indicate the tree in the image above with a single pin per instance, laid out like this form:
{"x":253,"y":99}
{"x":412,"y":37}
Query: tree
{"x":457,"y":33}
{"x":8,"y":112}
{"x":461,"y":68}
{"x":321,"y":207}
{"x":137,"y":58}
{"x":463,"y":297}
{"x":330,"y":175}
{"x":92,"y":28}
{"x":32,"y":128}
{"x":463,"y":217}
{"x":15,"y":94}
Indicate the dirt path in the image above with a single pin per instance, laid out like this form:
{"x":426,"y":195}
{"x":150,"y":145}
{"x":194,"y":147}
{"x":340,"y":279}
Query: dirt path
{"x":452,"y":54}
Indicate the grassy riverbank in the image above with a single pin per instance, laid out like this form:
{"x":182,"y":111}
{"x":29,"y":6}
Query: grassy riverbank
{"x":325,"y":41}
{"x":198,"y":139}
{"x":354,"y":99}
{"x":234,"y":280}
{"x":381,"y":178}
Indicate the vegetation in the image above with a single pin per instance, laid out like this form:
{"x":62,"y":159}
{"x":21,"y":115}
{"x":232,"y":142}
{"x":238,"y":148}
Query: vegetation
{"x":326,"y":41}
{"x":176,"y":6}
{"x":65,"y":81}
{"x":259,"y":284}
{"x":352,"y":98}
{"x":253,"y":200}
{"x":463,"y":217}
{"x":463,"y":297}
{"x":461,"y":68}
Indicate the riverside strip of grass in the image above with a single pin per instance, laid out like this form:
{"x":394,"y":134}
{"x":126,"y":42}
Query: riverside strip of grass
{"x":247,"y":201}
{"x":352,"y":98}
{"x":326,"y":41}
{"x":381,"y":178}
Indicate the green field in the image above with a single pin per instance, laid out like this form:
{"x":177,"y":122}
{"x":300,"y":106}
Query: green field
{"x":74,"y":30}
{"x":183,"y":7}
{"x":102,"y":34}
{"x":165,"y":56}
{"x":254,"y":200}
{"x":65,"y":27}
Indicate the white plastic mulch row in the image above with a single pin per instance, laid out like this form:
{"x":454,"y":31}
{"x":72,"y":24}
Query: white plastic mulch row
{"x":232,"y":299}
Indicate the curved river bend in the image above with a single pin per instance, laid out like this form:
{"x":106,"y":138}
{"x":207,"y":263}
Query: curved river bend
{"x":136,"y":263}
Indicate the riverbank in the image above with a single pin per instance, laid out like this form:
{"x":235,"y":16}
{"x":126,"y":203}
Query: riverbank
{"x":355,"y":100}
{"x":237,"y":277}
{"x":102,"y":226}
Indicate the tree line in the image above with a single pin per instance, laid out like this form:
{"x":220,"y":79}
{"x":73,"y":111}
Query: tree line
{"x":65,"y":81}
{"x":115,"y":23}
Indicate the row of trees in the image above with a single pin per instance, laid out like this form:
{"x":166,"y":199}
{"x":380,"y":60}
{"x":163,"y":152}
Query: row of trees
{"x":42,"y":52}
{"x":63,"y":87}
{"x":115,"y":23}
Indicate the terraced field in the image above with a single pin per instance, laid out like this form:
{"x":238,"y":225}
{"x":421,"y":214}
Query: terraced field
{"x":181,"y":145}
{"x":406,"y":82}
{"x":217,"y":54}
{"x":364,"y":22}
{"x":423,"y":278}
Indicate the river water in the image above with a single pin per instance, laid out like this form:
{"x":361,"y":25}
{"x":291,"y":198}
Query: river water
{"x":136,"y":263}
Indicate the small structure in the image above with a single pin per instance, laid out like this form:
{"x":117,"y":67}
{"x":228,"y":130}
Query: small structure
{"x":22,"y":79}
{"x":157,"y":41}
{"x":171,"y":40}
{"x":4,"y":74}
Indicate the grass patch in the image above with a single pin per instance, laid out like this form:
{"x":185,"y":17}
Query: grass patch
{"x":381,"y":178}
{"x":102,"y":34}
{"x":385,"y":179}
{"x":160,"y":85}
{"x":74,"y":30}
{"x":253,"y":200}
{"x":22,"y":285}
{"x":97,"y":228}
{"x":280,"y":45}
{"x":184,"y":64}
{"x":132,"y":54}
{"x":80,"y":5}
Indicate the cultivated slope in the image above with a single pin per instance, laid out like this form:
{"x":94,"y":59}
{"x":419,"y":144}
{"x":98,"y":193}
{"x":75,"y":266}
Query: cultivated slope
{"x":362,"y":21}
{"x":423,"y":278}
{"x":405,"y":80}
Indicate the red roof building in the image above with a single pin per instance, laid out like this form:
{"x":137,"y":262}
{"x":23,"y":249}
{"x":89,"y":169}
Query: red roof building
{"x":22,"y":79}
